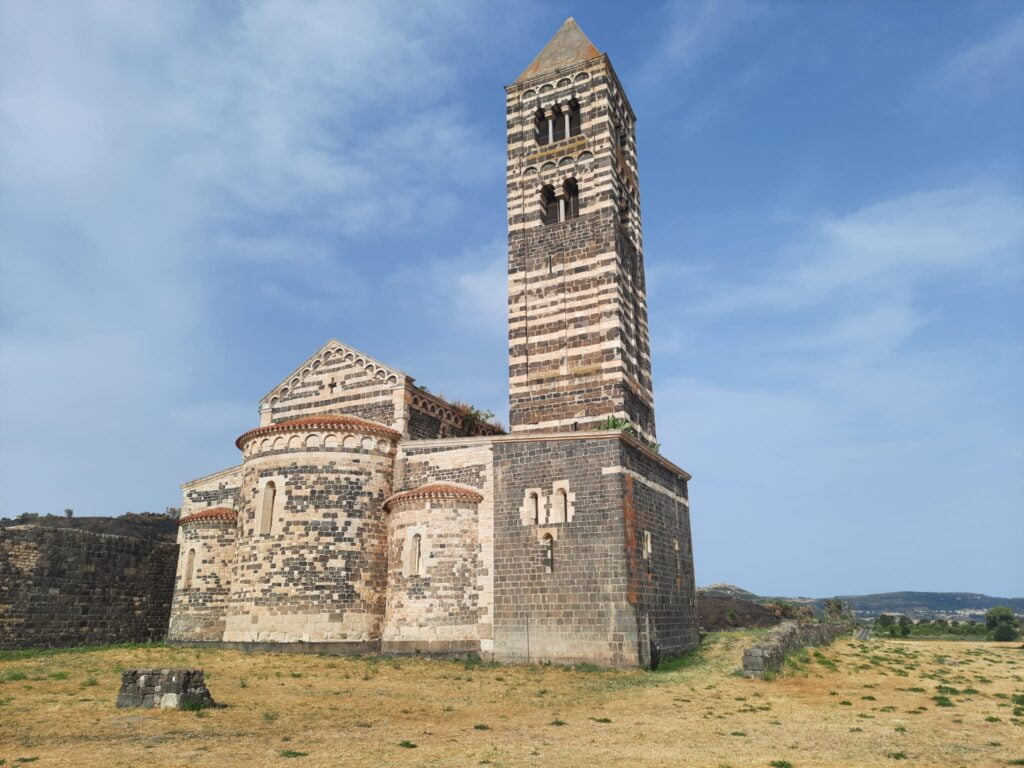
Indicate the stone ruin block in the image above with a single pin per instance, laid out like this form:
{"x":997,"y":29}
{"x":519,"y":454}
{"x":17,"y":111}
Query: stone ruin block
{"x":164,"y":689}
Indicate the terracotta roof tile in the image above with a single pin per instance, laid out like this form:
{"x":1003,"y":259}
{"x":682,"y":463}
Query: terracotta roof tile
{"x":435,"y":491}
{"x":320,"y":421}
{"x":213,"y":513}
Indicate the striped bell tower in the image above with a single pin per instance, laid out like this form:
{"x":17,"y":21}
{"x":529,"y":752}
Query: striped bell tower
{"x":579,"y":347}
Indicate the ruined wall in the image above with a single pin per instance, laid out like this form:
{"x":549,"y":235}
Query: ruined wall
{"x":576,"y":610}
{"x":767,"y":656}
{"x":62,"y":587}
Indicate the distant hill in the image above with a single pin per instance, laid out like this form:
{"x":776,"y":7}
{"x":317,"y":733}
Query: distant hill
{"x":146,"y":525}
{"x":964,"y":606}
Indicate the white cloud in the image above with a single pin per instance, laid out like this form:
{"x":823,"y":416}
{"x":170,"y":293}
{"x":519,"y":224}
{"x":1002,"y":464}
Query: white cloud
{"x":159,"y":156}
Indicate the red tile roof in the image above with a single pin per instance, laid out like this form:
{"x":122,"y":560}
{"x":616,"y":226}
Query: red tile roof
{"x":435,"y":491}
{"x":213,"y":513}
{"x":320,"y":421}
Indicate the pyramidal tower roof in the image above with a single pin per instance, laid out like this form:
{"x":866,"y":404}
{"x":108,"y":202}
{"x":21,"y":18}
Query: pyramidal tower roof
{"x":568,"y":47}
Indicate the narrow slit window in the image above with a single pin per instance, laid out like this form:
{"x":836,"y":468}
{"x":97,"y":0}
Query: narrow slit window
{"x":535,"y":508}
{"x":415,"y":555}
{"x":190,"y":566}
{"x":267,"y":508}
{"x":548,"y":553}
{"x":648,"y":547}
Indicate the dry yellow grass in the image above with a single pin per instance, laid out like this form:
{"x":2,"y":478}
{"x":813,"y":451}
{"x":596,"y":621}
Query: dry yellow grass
{"x":857,"y":704}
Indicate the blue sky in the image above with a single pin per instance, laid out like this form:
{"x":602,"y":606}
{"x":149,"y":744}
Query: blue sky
{"x":195,"y":196}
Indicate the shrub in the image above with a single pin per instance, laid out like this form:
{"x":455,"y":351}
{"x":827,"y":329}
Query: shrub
{"x":1004,"y":632}
{"x":1000,"y":614}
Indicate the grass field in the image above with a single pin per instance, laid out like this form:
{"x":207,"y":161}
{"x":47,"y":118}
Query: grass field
{"x":879,"y":703}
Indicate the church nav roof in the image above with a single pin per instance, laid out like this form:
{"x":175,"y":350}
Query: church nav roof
{"x":567,"y":48}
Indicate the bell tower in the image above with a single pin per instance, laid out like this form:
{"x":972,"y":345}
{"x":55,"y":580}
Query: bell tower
{"x":579,"y":347}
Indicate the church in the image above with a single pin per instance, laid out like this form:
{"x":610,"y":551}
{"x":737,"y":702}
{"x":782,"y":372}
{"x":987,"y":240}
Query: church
{"x":368,"y":515}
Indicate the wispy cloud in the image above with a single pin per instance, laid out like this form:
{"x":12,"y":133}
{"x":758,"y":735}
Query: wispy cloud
{"x":975,"y":230}
{"x":992,"y":64}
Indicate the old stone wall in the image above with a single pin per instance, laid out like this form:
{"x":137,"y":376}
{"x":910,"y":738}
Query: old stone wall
{"x":219,"y":489}
{"x":315,"y":568}
{"x":203,"y":583}
{"x":560,"y":575}
{"x":62,"y":587}
{"x":656,"y":513}
{"x":418,"y":616}
{"x":433,"y":565}
{"x":768,"y":655}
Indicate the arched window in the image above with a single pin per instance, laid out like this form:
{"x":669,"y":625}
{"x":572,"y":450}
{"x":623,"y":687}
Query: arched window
{"x":572,"y":200}
{"x":415,"y":555}
{"x":543,"y":132}
{"x":190,"y":565}
{"x":548,"y":553}
{"x":561,"y":118}
{"x":548,"y":205}
{"x":575,"y":121}
{"x":561,"y":506}
{"x":535,"y":508}
{"x":267,"y":508}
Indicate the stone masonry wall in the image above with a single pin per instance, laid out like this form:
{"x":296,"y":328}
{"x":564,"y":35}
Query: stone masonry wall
{"x":768,"y":655}
{"x":319,"y":573}
{"x":656,"y":513}
{"x":62,"y":587}
{"x":432,"y":604}
{"x":466,"y":462}
{"x":201,"y":595}
{"x":567,"y":603}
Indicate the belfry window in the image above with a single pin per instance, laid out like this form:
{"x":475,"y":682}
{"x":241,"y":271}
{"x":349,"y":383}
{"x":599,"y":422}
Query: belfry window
{"x":267,"y":508}
{"x":549,"y":208}
{"x":547,"y":553}
{"x":571,"y":198}
{"x":571,"y":118}
{"x":543,"y":128}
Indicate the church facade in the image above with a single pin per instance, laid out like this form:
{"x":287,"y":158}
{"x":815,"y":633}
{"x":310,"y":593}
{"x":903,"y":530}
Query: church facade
{"x":369,"y":515}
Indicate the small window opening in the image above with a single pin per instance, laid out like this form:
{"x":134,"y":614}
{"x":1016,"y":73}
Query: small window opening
{"x":190,"y":565}
{"x":648,"y":548}
{"x":535,"y":508}
{"x":679,"y":568}
{"x":267,"y":508}
{"x":548,"y":553}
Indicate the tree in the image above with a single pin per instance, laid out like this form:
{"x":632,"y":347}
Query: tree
{"x":1005,"y":632}
{"x":885,"y":620}
{"x":69,"y":513}
{"x":998,"y":615}
{"x":904,"y":625}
